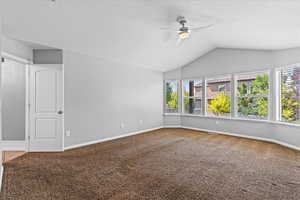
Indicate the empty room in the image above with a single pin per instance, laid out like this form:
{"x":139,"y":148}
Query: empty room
{"x":139,"y":99}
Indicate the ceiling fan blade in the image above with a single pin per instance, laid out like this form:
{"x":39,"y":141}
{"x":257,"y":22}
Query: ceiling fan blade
{"x":202,"y":27}
{"x":169,"y":29}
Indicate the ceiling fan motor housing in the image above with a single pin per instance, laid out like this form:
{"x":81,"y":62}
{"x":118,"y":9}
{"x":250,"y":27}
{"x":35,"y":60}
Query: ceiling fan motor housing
{"x":184,"y":29}
{"x":181,"y":20}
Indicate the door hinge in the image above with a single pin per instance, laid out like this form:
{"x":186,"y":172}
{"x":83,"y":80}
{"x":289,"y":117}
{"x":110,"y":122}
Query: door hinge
{"x":28,"y":137}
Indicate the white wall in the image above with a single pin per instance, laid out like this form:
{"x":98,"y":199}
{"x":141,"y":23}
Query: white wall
{"x":13,"y":100}
{"x":16,"y":48}
{"x":224,"y":61}
{"x":13,"y":91}
{"x":288,"y":56}
{"x":1,"y":168}
{"x":101,"y":94}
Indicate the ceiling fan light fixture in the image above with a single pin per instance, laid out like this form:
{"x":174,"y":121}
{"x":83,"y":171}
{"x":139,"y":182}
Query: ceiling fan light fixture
{"x":184,"y":35}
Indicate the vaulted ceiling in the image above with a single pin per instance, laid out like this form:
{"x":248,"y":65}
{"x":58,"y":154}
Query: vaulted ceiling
{"x":128,"y":31}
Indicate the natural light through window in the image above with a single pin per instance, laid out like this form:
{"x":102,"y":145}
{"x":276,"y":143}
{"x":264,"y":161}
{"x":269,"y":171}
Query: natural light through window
{"x":171,"y":104}
{"x":253,"y":95}
{"x":218,"y":96}
{"x":192,"y":96}
{"x":252,"y":99}
{"x":290,"y":94}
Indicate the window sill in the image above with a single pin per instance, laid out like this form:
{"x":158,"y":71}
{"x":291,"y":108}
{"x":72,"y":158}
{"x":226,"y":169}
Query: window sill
{"x":172,"y":114}
{"x":241,"y":119}
{"x":202,"y":116}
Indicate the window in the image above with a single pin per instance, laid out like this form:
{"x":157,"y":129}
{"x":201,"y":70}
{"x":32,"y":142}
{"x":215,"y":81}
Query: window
{"x":221,"y":88}
{"x":253,"y":95}
{"x":192,"y":96}
{"x":218,"y":95}
{"x":290,"y":94}
{"x":171,"y":105}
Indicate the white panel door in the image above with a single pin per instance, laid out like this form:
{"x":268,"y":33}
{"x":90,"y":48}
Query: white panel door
{"x":46,"y":108}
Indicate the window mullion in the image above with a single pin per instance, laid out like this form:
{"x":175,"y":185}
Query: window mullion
{"x":204,"y":97}
{"x":272,"y":95}
{"x":277,"y":94}
{"x":233,"y":96}
{"x":179,"y":96}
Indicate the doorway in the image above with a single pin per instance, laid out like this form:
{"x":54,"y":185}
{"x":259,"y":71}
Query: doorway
{"x":13,"y":84}
{"x":32,"y":104}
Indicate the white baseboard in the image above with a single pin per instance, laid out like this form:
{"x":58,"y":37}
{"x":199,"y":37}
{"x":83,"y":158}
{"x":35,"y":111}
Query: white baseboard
{"x":172,"y":126}
{"x":111,"y":138}
{"x":239,"y":135}
{"x":246,"y":136}
{"x":1,"y":176}
{"x":286,"y":145}
{"x":13,"y":145}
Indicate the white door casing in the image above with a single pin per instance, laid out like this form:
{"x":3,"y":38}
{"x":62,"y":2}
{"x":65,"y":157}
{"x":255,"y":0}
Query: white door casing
{"x":45,"y":108}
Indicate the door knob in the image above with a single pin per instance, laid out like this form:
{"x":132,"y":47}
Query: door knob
{"x":60,"y":112}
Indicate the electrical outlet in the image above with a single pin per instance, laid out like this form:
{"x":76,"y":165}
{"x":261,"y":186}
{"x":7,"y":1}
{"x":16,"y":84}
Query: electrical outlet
{"x":68,"y":132}
{"x":122,"y":125}
{"x":217,"y":122}
{"x":141,"y":121}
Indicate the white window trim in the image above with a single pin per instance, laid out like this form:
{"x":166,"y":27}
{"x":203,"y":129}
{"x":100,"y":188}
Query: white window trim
{"x":278,"y":114}
{"x":234,"y":104}
{"x":243,"y":119}
{"x":204,"y":103}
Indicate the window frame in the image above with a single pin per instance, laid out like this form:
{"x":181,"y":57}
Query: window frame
{"x":223,"y":88}
{"x":205,"y":93}
{"x":165,"y":97}
{"x":190,"y":97}
{"x":269,"y":96}
{"x":279,"y":94}
{"x":274,"y":96}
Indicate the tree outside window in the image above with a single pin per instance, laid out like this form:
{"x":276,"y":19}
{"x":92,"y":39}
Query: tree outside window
{"x":253,"y":93}
{"x":290,"y":94}
{"x":171,"y":97}
{"x":218,"y":96}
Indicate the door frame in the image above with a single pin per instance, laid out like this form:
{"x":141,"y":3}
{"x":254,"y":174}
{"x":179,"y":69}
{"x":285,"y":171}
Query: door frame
{"x":28,"y":64}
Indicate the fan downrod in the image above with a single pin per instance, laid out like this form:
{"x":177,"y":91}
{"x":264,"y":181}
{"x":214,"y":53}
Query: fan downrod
{"x":181,"y":20}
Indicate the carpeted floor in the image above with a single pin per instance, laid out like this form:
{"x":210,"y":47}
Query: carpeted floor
{"x":163,"y":164}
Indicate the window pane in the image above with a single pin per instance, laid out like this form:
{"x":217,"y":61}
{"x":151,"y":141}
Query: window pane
{"x":218,"y":96}
{"x":253,"y":107}
{"x":253,"y":92}
{"x":171,"y":97}
{"x":192,"y":88}
{"x":192,"y":106}
{"x":290,"y":94}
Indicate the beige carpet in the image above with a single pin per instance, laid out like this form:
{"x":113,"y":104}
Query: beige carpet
{"x":163,"y":164}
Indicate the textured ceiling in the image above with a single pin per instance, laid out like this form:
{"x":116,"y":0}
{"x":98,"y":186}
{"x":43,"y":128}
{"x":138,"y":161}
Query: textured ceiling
{"x":128,"y":31}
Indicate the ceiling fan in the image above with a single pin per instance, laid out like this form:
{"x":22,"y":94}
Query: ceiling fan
{"x":184,"y":32}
